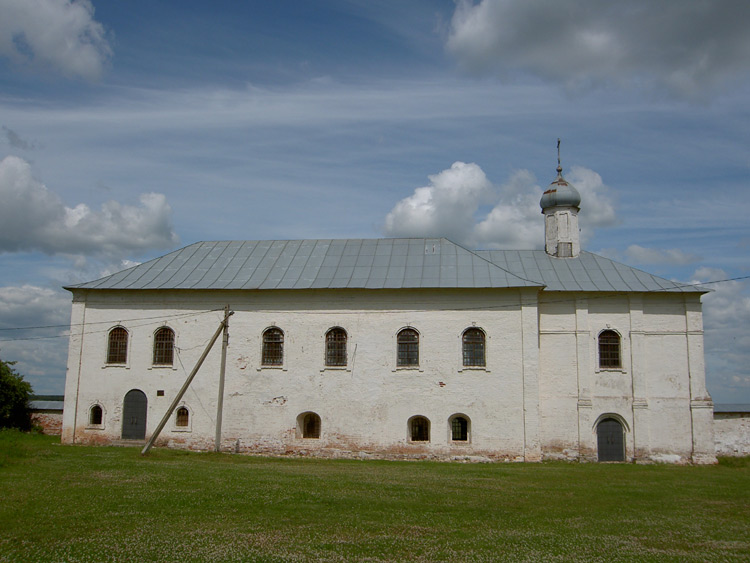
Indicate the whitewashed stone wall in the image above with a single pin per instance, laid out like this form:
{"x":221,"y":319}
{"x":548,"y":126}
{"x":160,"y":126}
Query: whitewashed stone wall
{"x":540,"y":395}
{"x":732,"y":432}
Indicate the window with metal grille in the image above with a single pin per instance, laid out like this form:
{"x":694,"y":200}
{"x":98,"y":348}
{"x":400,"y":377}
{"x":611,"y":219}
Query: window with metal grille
{"x":419,"y":429}
{"x":473,"y":348}
{"x":408,"y":348}
{"x":311,"y":425}
{"x":609,"y":349}
{"x":96,"y":415}
{"x":459,"y":429}
{"x":117,"y":349}
{"x":336,"y":347}
{"x":183,"y":417}
{"x":273,"y":347}
{"x":164,"y":347}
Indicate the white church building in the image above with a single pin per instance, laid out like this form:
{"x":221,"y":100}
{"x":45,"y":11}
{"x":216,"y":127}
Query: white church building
{"x":395,"y":348}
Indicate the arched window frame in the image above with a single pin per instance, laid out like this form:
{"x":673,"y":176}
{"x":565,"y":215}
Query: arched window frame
{"x":452,"y":422}
{"x":607,"y":350}
{"x":336,"y":348}
{"x":272,"y":348}
{"x":407,"y":351}
{"x":474,"y":353}
{"x":118,"y":346}
{"x":419,"y":429}
{"x":91,"y":418}
{"x":162,"y":355}
{"x":182,"y":419}
{"x":309,"y":426}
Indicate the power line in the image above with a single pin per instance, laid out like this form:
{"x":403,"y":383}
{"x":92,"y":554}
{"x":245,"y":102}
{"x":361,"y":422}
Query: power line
{"x":109,"y":323}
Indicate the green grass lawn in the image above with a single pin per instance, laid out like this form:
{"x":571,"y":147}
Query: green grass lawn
{"x":77,"y":503}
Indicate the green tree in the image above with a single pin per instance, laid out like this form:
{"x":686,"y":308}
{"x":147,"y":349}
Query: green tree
{"x":14,"y":398}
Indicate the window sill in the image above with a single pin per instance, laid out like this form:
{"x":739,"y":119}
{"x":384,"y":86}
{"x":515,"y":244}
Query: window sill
{"x":408,"y":368}
{"x":165,"y":366}
{"x":610,"y":370}
{"x":125,"y":366}
{"x":182,"y":429}
{"x":278,"y":368}
{"x":94,"y":427}
{"x":474,"y":368}
{"x":335,"y":368}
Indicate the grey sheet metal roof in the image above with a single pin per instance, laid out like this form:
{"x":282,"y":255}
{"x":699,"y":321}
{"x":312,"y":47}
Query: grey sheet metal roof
{"x":310,"y":264}
{"x":732,"y":408}
{"x":375,"y":264}
{"x":586,"y":272}
{"x":46,"y":405}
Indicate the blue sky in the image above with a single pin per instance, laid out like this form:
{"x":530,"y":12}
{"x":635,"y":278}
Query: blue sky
{"x":132,"y":128}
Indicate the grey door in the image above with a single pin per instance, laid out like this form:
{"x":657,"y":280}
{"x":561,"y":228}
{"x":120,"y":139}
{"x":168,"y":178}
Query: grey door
{"x":610,"y":440}
{"x":134,"y":415}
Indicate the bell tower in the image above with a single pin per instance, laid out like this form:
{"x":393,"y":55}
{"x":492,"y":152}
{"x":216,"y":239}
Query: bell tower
{"x":560,"y":206}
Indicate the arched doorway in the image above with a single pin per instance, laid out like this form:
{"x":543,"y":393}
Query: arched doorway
{"x":134,"y":409}
{"x":610,"y":438}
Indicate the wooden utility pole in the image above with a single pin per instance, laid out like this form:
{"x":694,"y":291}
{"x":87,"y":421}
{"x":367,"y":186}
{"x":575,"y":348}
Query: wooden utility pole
{"x":220,"y":403}
{"x":222,"y":328}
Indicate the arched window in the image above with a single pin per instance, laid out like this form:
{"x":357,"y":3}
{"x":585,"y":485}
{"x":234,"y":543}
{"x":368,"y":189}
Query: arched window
{"x":273,"y":347}
{"x":610,"y":438}
{"x":164,"y":347}
{"x":336,"y":347}
{"x":96,"y":415}
{"x":408,"y":348}
{"x":473,"y":348}
{"x":309,"y":425}
{"x":460,"y":429}
{"x":609,"y":349}
{"x":182,"y":417}
{"x":419,"y":429}
{"x":117,"y":348}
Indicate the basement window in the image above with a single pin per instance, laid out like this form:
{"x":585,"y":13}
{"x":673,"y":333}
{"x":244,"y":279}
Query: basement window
{"x":419,"y":429}
{"x":182,"y":418}
{"x":96,"y":415}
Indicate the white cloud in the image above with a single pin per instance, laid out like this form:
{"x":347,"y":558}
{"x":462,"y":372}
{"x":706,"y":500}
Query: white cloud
{"x":451,"y":204}
{"x":34,"y":218}
{"x":686,"y":47}
{"x":642,"y":255}
{"x":444,"y":208}
{"x":54,"y":34}
{"x":726,"y":319}
{"x":516,"y":220}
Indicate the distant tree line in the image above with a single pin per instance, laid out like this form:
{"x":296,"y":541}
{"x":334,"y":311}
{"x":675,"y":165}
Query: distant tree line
{"x":14,"y":398}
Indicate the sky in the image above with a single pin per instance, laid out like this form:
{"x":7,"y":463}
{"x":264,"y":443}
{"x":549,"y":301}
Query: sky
{"x":130,"y":129}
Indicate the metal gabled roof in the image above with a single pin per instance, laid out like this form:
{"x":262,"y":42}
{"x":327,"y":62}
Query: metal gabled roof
{"x":316,"y":264}
{"x":377,"y":264}
{"x":586,"y":272}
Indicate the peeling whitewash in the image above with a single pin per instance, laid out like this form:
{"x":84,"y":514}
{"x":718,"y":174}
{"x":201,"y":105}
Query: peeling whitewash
{"x":540,"y":396}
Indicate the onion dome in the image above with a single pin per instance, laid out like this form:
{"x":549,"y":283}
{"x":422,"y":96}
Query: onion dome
{"x":560,"y":192}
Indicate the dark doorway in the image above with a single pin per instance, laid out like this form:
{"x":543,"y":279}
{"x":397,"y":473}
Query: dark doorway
{"x":610,"y":440}
{"x":134,"y":415}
